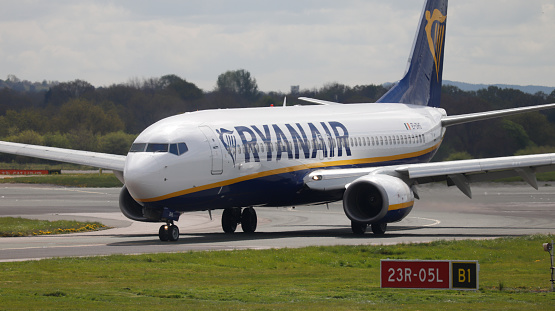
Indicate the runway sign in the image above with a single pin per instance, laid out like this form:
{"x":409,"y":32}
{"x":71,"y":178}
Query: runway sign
{"x":429,"y":274}
{"x":29,"y":172}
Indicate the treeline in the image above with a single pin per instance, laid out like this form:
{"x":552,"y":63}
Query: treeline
{"x":78,"y":115}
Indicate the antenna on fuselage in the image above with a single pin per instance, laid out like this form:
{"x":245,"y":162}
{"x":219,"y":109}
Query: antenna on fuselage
{"x":285,"y":101}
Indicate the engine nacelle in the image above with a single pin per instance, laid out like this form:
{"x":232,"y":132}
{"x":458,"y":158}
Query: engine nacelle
{"x":373,"y":199}
{"x":135,"y":211}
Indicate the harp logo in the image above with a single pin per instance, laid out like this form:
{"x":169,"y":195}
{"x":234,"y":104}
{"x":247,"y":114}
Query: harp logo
{"x":229,"y":141}
{"x":435,"y":30}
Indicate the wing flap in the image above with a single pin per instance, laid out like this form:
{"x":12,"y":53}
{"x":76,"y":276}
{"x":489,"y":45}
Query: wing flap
{"x":95,"y":159}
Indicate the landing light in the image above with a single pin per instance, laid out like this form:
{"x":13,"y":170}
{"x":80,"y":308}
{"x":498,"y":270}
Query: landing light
{"x":317,"y":177}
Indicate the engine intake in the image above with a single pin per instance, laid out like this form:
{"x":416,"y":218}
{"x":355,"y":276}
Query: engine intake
{"x":135,"y":211}
{"x":368,"y":199}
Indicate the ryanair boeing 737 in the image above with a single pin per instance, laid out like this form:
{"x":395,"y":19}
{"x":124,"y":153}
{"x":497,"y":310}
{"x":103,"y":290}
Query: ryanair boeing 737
{"x":370,"y":155}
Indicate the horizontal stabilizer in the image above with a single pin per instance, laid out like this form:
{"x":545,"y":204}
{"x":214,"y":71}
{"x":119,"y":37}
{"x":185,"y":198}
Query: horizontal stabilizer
{"x":318,"y":101}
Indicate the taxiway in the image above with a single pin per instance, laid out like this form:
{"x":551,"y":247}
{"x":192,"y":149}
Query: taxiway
{"x":496,"y":210}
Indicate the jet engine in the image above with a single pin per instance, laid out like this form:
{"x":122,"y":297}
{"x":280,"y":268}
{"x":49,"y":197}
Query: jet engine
{"x":373,"y":199}
{"x":135,"y":211}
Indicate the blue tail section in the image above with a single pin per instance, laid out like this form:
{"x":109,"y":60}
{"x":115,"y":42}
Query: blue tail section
{"x":421,"y":84}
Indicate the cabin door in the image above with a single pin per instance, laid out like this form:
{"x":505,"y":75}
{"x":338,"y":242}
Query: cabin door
{"x":215,"y":150}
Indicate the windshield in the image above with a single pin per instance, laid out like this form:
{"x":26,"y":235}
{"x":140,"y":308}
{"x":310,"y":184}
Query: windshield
{"x":177,"y":148}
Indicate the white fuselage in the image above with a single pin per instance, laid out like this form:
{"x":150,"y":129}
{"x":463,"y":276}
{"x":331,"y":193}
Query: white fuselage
{"x":259,"y":156}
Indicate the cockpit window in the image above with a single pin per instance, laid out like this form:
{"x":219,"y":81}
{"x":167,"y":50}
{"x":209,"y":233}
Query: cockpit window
{"x":173,"y":149}
{"x":157,"y":148}
{"x":177,"y":149}
{"x":137,"y":148}
{"x":182,"y":148}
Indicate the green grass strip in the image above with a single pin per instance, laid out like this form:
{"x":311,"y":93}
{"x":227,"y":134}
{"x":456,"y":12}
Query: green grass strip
{"x":514,"y":275}
{"x":104,"y":180}
{"x":17,"y":227}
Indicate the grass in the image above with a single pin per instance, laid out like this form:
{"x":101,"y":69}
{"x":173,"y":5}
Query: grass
{"x":18,"y":227}
{"x":514,"y":275}
{"x":44,"y":166}
{"x":104,"y":180}
{"x":547,"y":176}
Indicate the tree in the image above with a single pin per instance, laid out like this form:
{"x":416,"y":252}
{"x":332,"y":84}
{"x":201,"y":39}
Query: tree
{"x":61,"y":93}
{"x":82,"y":115}
{"x":116,"y":142}
{"x":238,"y":82}
{"x":334,"y":92}
{"x":184,"y":89}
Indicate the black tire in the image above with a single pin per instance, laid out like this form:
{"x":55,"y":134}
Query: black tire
{"x":380,"y":228}
{"x":163,"y":233}
{"x":173,"y":233}
{"x":249,"y":220}
{"x":358,"y":227}
{"x":229,"y":220}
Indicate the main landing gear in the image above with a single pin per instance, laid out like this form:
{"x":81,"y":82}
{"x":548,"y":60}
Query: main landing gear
{"x":168,"y":232}
{"x":231,"y":217}
{"x":360,"y":228}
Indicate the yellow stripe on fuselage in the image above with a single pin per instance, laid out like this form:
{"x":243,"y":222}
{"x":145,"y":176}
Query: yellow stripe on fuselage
{"x":291,"y":169}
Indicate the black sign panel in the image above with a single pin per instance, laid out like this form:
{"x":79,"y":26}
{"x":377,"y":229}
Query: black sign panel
{"x":464,"y":275}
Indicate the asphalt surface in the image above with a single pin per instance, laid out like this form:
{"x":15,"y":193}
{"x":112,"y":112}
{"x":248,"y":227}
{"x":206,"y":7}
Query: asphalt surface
{"x":497,"y":210}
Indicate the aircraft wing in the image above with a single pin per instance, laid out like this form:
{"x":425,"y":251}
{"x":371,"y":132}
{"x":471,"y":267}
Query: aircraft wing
{"x":101,"y":160}
{"x":471,"y":117}
{"x":457,"y":173}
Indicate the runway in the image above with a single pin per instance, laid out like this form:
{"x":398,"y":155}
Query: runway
{"x":497,"y":210}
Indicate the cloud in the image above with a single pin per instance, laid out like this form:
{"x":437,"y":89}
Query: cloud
{"x":307,"y":43}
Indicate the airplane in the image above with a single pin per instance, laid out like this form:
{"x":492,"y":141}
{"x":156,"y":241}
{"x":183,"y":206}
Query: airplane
{"x":369,"y":155}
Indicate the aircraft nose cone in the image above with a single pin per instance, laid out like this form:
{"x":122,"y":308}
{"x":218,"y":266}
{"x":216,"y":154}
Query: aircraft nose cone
{"x":142,"y":175}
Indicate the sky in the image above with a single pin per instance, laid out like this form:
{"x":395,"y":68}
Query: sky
{"x":281,"y":43}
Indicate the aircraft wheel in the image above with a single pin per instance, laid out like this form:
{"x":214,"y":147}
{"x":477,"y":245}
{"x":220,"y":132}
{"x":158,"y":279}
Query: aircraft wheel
{"x":230,"y":220}
{"x":163,"y":233}
{"x":249,"y":220}
{"x":173,"y":233}
{"x":379,"y":229}
{"x":358,"y":227}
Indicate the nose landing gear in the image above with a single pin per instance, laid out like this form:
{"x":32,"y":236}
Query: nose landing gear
{"x":168,"y":232}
